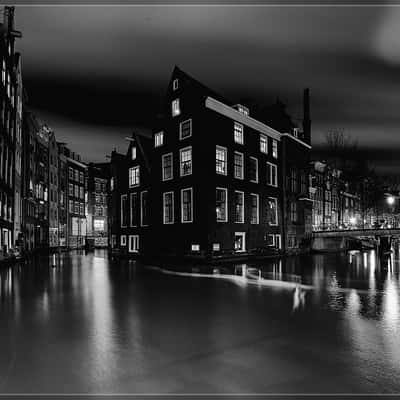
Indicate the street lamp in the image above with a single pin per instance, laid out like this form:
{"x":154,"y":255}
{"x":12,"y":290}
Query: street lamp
{"x":390,"y":200}
{"x":353,"y":220}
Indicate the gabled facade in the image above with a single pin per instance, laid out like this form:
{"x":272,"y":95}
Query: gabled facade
{"x":218,"y":177}
{"x":97,"y":221}
{"x":131,"y":191}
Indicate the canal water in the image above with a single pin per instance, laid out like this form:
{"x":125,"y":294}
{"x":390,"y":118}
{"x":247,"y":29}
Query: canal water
{"x":311,"y":324}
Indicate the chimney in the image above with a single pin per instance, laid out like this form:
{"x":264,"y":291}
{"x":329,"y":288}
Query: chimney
{"x":306,"y":116}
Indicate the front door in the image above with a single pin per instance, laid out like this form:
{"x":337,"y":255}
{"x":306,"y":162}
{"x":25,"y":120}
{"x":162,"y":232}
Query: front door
{"x":240,"y":242}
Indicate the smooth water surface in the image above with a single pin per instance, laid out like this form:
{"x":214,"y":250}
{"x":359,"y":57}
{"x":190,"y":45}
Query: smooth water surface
{"x":95,"y":325}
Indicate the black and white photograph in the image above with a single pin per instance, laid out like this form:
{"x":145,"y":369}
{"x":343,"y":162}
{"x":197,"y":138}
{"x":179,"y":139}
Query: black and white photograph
{"x":199,"y":199}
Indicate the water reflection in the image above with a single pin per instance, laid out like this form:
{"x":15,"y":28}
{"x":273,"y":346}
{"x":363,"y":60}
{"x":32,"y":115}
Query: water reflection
{"x":111,"y":325}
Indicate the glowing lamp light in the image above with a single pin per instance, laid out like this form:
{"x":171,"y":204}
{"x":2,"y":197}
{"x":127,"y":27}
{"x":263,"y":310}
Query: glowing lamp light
{"x":390,"y":200}
{"x":353,"y":220}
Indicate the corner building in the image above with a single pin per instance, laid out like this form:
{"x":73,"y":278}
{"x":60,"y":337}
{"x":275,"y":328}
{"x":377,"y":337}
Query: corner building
{"x":217,"y":177}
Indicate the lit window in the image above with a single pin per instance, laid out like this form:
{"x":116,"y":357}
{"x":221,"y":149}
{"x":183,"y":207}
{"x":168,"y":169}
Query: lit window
{"x":167,"y":167}
{"x":253,"y":170}
{"x":134,"y":176}
{"x":272,"y":211}
{"x":239,"y":207}
{"x":238,"y":133}
{"x":263,"y":144}
{"x":293,"y":211}
{"x":133,"y":153}
{"x":158,"y":139}
{"x":274,"y":148}
{"x":254,"y":209}
{"x":221,"y":160}
{"x":186,"y":161}
{"x":112,"y":183}
{"x":272,"y":175}
{"x":195,"y":247}
{"x":168,"y":207}
{"x":187,"y":205}
{"x":221,"y":205}
{"x":185,"y":129}
{"x":175,"y":84}
{"x":176,"y":110}
{"x":133,"y":244}
{"x":216,"y":247}
{"x":239,"y":167}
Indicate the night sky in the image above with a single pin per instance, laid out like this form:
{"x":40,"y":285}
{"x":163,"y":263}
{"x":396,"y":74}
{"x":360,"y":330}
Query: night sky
{"x":96,"y":73}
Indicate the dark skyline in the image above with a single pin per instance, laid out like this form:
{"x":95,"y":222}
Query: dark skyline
{"x":96,"y":73}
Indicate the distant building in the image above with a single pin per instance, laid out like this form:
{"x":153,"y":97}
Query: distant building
{"x":42,"y":188}
{"x":97,"y":216}
{"x":336,"y":202}
{"x":62,"y":199}
{"x":53,"y":192}
{"x":77,"y":198}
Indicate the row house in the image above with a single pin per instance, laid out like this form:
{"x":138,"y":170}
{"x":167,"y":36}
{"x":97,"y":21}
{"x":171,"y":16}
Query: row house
{"x":336,"y":204}
{"x":10,"y":99}
{"x":215,"y":185}
{"x":130,"y":192}
{"x":76,"y":198}
{"x":97,"y":216}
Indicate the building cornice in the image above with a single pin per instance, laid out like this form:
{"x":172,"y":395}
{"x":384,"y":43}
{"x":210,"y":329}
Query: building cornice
{"x":297,"y":140}
{"x":235,"y":115}
{"x":77,"y":162}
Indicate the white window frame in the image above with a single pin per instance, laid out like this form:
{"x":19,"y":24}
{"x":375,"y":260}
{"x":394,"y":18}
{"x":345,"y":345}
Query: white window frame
{"x":256,"y":181}
{"x":243,"y":235}
{"x":278,"y":241}
{"x":173,"y":207}
{"x":276,"y":211}
{"x":123,"y":240}
{"x":191,"y":205}
{"x":274,"y":148}
{"x":225,"y":150}
{"x":234,"y":165}
{"x":180,"y":129}
{"x":141,"y":208}
{"x":130,"y":207}
{"x":269,"y":179}
{"x":226,"y":204}
{"x":273,"y":240}
{"x":172,"y":166}
{"x":242,"y":214}
{"x":159,"y":139}
{"x":175,"y":107}
{"x":175,"y":84}
{"x":262,"y":138}
{"x":238,"y":139}
{"x":132,"y":185}
{"x":258,"y":209}
{"x":133,"y":244}
{"x":180,"y":161}
{"x":122,"y":209}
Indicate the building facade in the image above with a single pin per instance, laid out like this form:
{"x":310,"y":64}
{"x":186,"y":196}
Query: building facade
{"x":10,"y":99}
{"x":76,"y":198}
{"x":211,"y":182}
{"x":97,"y":216}
{"x":54,"y":195}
